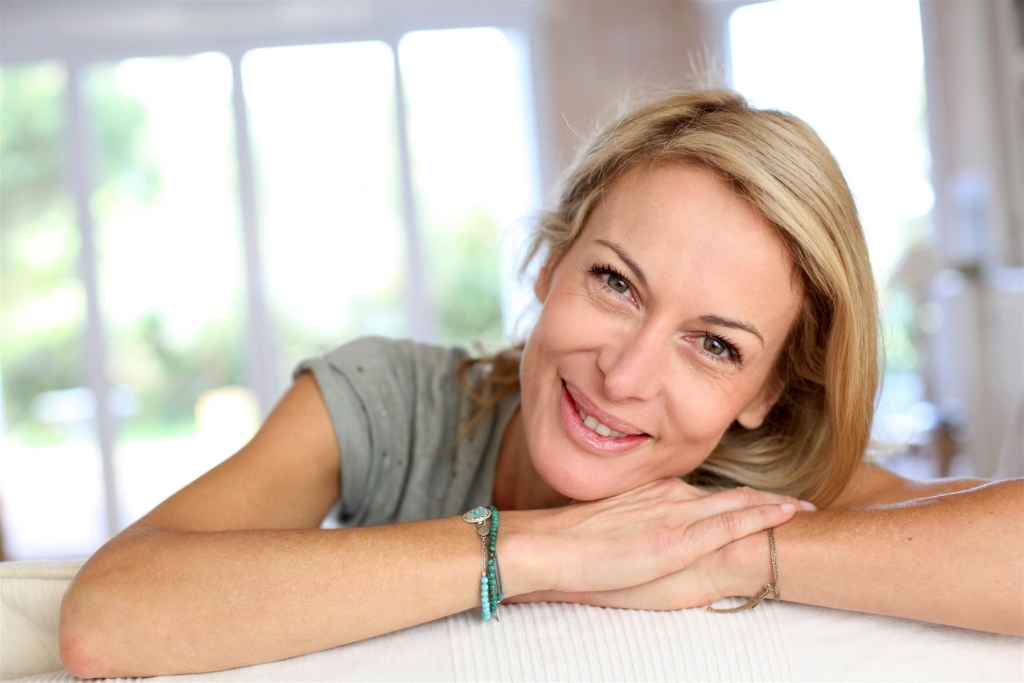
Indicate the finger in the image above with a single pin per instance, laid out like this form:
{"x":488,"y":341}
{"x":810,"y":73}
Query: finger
{"x":615,"y":598}
{"x":671,"y":592}
{"x":742,"y":497}
{"x":654,"y":595}
{"x":711,"y":533}
{"x":547,"y":596}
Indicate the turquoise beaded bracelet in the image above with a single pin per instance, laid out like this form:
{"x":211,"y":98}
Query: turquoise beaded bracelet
{"x":493,"y":570}
{"x":491,"y":592}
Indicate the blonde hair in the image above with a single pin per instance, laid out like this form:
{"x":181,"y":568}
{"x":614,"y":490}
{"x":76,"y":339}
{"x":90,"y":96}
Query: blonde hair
{"x":817,"y":432}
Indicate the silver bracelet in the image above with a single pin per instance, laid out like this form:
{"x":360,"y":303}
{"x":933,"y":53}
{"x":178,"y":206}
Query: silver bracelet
{"x":480,"y":516}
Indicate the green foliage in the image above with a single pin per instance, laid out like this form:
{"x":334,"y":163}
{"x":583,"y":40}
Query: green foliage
{"x":40,"y":350}
{"x":898,"y":323}
{"x":31,"y":121}
{"x":125,"y":173}
{"x":42,"y":307}
{"x":167,"y":393}
{"x":466,"y":285}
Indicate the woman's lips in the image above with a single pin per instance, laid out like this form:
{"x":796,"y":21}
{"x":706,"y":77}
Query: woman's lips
{"x":587,"y":438}
{"x":601,"y":416}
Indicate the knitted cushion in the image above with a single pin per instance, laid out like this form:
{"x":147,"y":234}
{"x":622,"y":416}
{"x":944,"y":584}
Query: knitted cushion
{"x":567,"y":642}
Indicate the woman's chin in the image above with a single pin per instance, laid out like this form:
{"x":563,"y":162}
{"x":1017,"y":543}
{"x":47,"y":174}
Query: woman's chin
{"x":584,"y":478}
{"x":576,"y":480}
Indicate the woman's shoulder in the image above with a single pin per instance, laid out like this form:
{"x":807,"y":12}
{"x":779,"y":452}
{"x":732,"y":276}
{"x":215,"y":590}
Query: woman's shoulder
{"x":374,"y":355}
{"x":425,"y":373}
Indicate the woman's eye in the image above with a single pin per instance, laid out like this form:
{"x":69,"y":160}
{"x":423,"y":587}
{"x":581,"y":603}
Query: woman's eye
{"x":713,"y":346}
{"x":611,"y":278}
{"x":615,"y":282}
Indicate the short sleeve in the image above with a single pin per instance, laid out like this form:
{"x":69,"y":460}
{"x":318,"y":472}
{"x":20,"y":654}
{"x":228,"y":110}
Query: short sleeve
{"x":374,"y":389}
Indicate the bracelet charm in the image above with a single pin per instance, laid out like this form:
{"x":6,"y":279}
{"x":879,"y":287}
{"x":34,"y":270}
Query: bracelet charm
{"x":490,"y":583}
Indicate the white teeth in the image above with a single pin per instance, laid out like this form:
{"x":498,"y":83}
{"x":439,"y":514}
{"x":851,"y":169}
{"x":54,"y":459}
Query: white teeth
{"x":602,"y":429}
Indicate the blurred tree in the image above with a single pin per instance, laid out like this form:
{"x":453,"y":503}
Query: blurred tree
{"x":466,"y":283}
{"x":31,"y":125}
{"x":42,"y":305}
{"x":40,"y":313}
{"x":125,"y":172}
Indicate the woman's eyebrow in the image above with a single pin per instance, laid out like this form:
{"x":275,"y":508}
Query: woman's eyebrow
{"x":726,"y":322}
{"x":626,"y":259}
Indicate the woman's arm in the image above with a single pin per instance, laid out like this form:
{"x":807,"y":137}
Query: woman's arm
{"x":951,"y":558}
{"x":946,"y":551}
{"x":159,"y":603}
{"x":875,"y":485}
{"x":233,"y":569}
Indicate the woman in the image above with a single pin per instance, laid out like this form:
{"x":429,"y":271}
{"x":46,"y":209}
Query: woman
{"x":704,"y":365}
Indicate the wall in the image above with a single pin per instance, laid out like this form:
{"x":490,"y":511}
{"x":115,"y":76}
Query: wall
{"x":597,"y":54}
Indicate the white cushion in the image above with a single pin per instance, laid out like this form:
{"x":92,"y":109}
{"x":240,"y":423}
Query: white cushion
{"x":29,"y":612}
{"x":559,"y":641}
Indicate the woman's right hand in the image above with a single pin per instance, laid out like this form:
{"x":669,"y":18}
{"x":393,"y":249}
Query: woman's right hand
{"x":646,"y":533}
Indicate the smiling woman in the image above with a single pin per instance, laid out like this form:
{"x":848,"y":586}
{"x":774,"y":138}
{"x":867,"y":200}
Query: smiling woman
{"x":753,"y":294}
{"x":705,"y":361}
{"x":681,"y":352}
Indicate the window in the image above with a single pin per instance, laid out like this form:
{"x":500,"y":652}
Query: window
{"x":382,"y":177}
{"x":322,"y":120}
{"x":170,"y":270}
{"x":52,"y":473}
{"x":471,"y":167}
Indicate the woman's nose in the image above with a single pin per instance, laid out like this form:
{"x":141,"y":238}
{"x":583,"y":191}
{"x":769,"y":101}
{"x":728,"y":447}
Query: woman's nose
{"x":634,"y":365}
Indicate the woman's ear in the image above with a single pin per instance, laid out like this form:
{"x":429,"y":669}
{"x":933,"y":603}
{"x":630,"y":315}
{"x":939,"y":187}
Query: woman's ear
{"x":753,"y":414}
{"x":542,"y":287}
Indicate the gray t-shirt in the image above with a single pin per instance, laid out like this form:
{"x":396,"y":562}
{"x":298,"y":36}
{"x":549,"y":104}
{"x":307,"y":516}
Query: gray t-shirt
{"x":395,"y":406}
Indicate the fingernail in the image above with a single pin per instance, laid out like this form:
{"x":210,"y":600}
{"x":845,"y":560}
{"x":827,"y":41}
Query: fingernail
{"x":807,"y":505}
{"x":787,"y":507}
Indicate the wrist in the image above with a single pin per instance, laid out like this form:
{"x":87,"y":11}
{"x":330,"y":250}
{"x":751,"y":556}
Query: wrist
{"x":519,"y":554}
{"x":747,"y":566}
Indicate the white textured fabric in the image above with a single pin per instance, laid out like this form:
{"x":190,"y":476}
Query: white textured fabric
{"x":30,"y":609}
{"x":565,"y":642}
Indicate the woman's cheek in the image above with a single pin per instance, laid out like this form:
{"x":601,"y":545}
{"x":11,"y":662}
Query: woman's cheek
{"x":701,"y":414}
{"x":575,"y":323}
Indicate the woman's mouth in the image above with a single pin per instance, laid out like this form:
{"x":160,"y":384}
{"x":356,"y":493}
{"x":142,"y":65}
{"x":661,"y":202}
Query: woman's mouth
{"x":600,"y":427}
{"x":590,"y":433}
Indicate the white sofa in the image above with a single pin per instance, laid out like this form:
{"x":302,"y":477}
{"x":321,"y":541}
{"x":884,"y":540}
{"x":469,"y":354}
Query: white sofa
{"x":558,"y":641}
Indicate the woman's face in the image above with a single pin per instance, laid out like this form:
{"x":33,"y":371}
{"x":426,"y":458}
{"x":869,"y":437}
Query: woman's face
{"x":662,"y":321}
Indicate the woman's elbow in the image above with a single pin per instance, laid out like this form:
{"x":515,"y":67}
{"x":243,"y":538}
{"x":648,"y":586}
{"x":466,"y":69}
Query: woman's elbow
{"x":80,"y":657}
{"x":80,"y":642}
{"x":89,"y":637}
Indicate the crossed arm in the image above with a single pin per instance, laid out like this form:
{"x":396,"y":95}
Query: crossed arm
{"x":949,"y":552}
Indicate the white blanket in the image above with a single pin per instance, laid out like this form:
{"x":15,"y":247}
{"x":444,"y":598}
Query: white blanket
{"x":564,"y":642}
